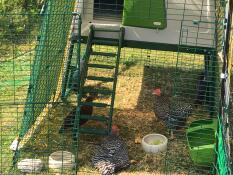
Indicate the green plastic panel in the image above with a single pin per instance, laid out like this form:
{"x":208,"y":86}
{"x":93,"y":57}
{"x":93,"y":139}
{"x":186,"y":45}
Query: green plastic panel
{"x":222,"y":158}
{"x":145,"y":13}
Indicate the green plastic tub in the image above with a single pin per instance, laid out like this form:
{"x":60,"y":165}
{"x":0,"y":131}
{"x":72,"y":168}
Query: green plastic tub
{"x":201,"y":137}
{"x":145,"y":13}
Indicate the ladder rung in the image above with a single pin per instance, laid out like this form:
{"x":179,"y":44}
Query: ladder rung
{"x":95,"y":104}
{"x":100,"y":91}
{"x":94,"y":131}
{"x":104,"y":54}
{"x":105,"y":42}
{"x":95,"y":118}
{"x":101,"y":66}
{"x":105,"y":79}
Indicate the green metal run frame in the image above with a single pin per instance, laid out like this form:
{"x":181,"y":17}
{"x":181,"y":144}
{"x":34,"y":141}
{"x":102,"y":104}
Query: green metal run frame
{"x":213,"y":69}
{"x":162,"y":46}
{"x":47,"y":67}
{"x":45,"y":75}
{"x":210,"y":62}
{"x":69,"y":70}
{"x":81,"y":82}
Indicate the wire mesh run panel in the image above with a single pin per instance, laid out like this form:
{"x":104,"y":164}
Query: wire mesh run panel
{"x":32,"y":53}
{"x":152,"y":65}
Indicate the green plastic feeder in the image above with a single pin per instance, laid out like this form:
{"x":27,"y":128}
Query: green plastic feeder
{"x":201,"y":137}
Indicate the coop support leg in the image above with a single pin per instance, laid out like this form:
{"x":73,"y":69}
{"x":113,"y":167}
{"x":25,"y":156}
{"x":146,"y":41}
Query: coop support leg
{"x":67,"y":71}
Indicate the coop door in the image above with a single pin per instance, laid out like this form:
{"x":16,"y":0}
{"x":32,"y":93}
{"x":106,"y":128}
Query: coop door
{"x":108,"y":9}
{"x":145,"y":13}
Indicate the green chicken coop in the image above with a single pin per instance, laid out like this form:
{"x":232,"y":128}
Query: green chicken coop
{"x":110,"y":55}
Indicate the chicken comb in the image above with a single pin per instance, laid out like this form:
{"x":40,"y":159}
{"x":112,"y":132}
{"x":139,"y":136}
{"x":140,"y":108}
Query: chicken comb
{"x":115,"y":129}
{"x":157,"y":91}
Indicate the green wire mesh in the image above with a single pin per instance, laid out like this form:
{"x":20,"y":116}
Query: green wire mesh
{"x":177,"y":71}
{"x":49,"y":59}
{"x":222,"y":158}
{"x":222,"y":147}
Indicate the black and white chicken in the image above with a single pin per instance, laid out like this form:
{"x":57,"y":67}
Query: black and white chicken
{"x":111,"y":155}
{"x":172,"y":111}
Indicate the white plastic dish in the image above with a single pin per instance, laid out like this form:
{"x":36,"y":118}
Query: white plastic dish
{"x":61,"y":161}
{"x":154,"y":143}
{"x":30,"y":165}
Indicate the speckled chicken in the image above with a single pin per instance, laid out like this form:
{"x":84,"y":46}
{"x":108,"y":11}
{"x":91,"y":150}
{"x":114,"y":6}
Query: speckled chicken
{"x":173,"y":112}
{"x":111,"y":155}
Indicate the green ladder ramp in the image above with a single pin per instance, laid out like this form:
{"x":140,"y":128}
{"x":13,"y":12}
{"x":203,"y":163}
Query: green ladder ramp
{"x":90,"y":52}
{"x":118,"y":44}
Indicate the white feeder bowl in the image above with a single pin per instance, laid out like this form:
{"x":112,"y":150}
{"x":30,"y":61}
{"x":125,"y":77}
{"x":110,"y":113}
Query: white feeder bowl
{"x":154,"y":143}
{"x":30,"y":165}
{"x":61,"y":161}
